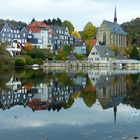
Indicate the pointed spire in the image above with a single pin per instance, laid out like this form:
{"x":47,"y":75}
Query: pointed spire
{"x":115,"y":16}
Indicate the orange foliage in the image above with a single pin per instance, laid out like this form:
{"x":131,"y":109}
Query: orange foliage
{"x":28,"y":85}
{"x":28,"y":46}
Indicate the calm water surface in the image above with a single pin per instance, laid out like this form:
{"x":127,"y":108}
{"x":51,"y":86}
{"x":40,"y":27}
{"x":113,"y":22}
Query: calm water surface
{"x":67,"y":105}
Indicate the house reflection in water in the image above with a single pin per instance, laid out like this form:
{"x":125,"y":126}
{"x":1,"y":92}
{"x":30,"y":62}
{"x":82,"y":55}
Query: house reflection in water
{"x":45,"y":96}
{"x":110,"y":88}
{"x":50,"y":96}
{"x":14,"y":94}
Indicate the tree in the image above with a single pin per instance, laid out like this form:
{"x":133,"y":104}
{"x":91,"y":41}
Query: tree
{"x":114,"y":49}
{"x":63,"y":52}
{"x":5,"y":57}
{"x":134,"y":54}
{"x":28,"y":46}
{"x":89,"y":31}
{"x":76,"y":34}
{"x":88,"y":46}
{"x":33,"y":20}
{"x":69,"y":25}
{"x":59,"y":22}
{"x":133,"y":29}
{"x":138,"y":39}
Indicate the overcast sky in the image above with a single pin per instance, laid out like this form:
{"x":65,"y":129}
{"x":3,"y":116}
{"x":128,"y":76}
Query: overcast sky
{"x":79,"y":12}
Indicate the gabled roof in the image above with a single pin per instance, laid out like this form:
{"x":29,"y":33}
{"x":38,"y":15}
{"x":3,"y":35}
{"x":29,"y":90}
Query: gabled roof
{"x":104,"y":51}
{"x":114,"y":27}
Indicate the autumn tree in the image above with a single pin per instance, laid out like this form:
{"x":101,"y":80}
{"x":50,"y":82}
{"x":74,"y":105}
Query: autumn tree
{"x":76,"y":34}
{"x":114,"y":49}
{"x":69,"y":25}
{"x":63,"y":52}
{"x":88,"y":32}
{"x":28,"y":46}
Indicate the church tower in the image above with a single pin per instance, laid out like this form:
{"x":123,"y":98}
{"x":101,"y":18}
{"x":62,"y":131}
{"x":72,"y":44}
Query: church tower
{"x":115,"y":16}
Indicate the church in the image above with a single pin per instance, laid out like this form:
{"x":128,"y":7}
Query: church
{"x":111,"y":34}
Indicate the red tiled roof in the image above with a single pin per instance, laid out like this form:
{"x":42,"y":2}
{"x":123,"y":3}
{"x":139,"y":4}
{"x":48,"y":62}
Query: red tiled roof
{"x":36,"y":26}
{"x":35,"y":105}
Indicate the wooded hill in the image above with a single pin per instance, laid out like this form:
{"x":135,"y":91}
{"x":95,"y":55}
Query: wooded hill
{"x":132,"y":29}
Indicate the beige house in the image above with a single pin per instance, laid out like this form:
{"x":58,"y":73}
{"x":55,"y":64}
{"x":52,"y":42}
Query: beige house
{"x":111,"y":34}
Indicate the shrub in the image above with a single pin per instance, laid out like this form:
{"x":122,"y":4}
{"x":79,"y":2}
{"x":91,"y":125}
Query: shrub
{"x":29,"y":60}
{"x":20,"y":62}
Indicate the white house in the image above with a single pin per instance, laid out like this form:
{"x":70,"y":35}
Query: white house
{"x":101,"y":54}
{"x":40,"y":32}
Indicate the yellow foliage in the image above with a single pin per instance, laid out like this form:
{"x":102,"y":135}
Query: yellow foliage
{"x":76,"y":95}
{"x":76,"y":34}
{"x":114,"y":49}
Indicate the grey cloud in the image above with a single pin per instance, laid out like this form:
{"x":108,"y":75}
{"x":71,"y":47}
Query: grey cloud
{"x":78,"y":11}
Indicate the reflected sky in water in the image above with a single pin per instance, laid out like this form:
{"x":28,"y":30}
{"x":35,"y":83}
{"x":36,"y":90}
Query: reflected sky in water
{"x":80,"y":120}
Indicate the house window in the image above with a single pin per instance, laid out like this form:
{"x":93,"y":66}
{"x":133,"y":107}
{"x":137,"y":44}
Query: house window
{"x":9,"y":35}
{"x":3,"y":34}
{"x":93,"y":53}
{"x":15,"y":35}
{"x":18,"y":36}
{"x":24,"y":35}
{"x":5,"y":30}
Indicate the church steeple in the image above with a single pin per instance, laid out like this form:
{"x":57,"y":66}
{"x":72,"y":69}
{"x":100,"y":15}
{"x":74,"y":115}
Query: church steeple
{"x":115,"y":113}
{"x":115,"y":16}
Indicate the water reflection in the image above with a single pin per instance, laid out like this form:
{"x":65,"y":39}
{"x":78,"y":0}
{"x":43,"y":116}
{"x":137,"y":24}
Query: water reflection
{"x":57,"y":90}
{"x":87,"y":102}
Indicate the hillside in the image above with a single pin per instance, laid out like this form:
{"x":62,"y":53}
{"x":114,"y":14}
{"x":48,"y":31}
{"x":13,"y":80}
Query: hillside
{"x":133,"y":31}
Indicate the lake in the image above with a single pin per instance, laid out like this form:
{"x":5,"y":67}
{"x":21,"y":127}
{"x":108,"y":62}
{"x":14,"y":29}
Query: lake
{"x":61,"y":104}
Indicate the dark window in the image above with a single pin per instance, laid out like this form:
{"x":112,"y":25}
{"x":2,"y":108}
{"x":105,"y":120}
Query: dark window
{"x":104,"y":38}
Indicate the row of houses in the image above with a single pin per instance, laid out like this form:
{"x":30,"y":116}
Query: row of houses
{"x":40,"y":35}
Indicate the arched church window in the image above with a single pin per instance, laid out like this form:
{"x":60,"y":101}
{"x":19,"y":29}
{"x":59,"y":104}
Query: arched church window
{"x":104,"y":38}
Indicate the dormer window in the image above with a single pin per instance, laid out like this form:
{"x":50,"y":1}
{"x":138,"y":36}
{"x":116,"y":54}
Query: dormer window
{"x":106,"y":53}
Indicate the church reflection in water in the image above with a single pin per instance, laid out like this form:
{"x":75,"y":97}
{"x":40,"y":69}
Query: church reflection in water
{"x":60,"y":90}
{"x":110,"y":88}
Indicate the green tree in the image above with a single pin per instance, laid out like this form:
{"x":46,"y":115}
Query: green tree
{"x":76,"y":34}
{"x":33,"y":20}
{"x":133,"y":29}
{"x":89,"y":31}
{"x":134,"y":54}
{"x":20,"y":62}
{"x":138,"y":39}
{"x":69,"y":25}
{"x":5,"y":57}
{"x":63,"y":52}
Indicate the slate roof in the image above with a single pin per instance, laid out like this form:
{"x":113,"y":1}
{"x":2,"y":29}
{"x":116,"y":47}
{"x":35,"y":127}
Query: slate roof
{"x":104,"y":81}
{"x":114,"y":27}
{"x":104,"y":51}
